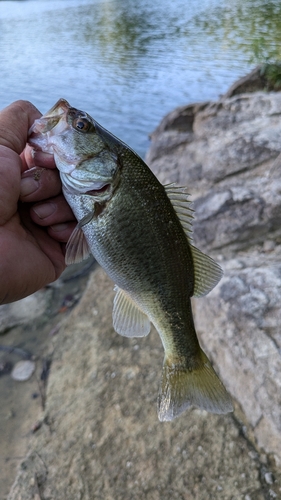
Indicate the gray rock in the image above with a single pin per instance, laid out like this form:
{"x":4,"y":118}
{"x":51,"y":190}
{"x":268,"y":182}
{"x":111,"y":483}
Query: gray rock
{"x":253,"y":82}
{"x":239,"y":325}
{"x":23,"y":311}
{"x":230,"y":137}
{"x":235,"y":150}
{"x":23,"y":370}
{"x":101,"y":437}
{"x":263,"y":77}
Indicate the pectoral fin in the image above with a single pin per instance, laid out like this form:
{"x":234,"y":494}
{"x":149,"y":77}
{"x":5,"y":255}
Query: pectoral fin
{"x":77,"y":248}
{"x":128,"y":319}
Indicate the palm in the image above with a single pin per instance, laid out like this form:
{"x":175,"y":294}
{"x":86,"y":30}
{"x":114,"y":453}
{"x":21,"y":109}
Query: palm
{"x":31,"y":246}
{"x":30,"y":262}
{"x":30,"y":258}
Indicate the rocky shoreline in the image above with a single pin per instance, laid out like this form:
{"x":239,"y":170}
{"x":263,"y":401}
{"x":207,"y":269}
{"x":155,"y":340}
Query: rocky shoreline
{"x":99,"y":436}
{"x":231,"y":158}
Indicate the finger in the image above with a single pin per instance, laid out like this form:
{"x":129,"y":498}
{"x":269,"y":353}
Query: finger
{"x":53,"y":211}
{"x":15,"y":121}
{"x":42,"y":159}
{"x":62,"y":232}
{"x":39,"y":184}
{"x":31,"y":158}
{"x":52,"y":249}
{"x":10,"y":166}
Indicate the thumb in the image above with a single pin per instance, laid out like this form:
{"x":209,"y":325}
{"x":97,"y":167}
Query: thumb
{"x":10,"y":177}
{"x":15,"y":121}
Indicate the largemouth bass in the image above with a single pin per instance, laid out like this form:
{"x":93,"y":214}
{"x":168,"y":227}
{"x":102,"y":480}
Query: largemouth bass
{"x":140,"y":233}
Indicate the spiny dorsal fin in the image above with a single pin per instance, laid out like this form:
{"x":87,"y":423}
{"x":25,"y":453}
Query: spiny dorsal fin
{"x":207,"y":273}
{"x":128,"y":319}
{"x":182,"y":206}
{"x":77,"y":248}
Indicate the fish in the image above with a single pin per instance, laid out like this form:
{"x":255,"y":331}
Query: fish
{"x":140,"y":232}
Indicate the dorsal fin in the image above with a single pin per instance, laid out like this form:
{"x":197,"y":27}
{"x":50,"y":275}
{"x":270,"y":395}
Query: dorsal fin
{"x":207,"y":273}
{"x":128,"y":319}
{"x":182,"y":206}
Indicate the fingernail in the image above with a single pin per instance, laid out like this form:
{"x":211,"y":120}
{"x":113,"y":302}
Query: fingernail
{"x":45,"y":210}
{"x":59,"y":227}
{"x":28,"y":186}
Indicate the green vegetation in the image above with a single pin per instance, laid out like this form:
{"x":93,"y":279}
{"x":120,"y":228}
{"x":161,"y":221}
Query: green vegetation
{"x":251,"y":26}
{"x":272,"y":74}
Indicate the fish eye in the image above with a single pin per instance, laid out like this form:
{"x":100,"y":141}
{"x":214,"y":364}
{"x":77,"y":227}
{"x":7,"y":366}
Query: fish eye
{"x":81,"y":124}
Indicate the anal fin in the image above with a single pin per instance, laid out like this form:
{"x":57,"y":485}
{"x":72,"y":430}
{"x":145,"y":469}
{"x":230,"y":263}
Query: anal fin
{"x":128,"y":319}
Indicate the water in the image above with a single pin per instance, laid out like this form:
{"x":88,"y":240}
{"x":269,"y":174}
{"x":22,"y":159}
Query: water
{"x":128,"y":62}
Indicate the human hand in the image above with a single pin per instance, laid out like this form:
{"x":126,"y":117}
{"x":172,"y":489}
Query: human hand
{"x":35,"y":220}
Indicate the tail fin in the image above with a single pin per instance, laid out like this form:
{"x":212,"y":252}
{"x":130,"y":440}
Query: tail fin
{"x":182,"y":388}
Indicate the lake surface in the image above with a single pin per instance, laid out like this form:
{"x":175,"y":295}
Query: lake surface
{"x":128,"y":62}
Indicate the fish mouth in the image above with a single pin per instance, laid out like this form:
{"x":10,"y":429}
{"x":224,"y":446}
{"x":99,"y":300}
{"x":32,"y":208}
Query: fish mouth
{"x":48,"y":121}
{"x":43,"y":132}
{"x":61,"y":107}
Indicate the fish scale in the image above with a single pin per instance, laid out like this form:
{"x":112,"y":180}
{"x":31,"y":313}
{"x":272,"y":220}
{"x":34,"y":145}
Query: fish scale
{"x":139,"y":232}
